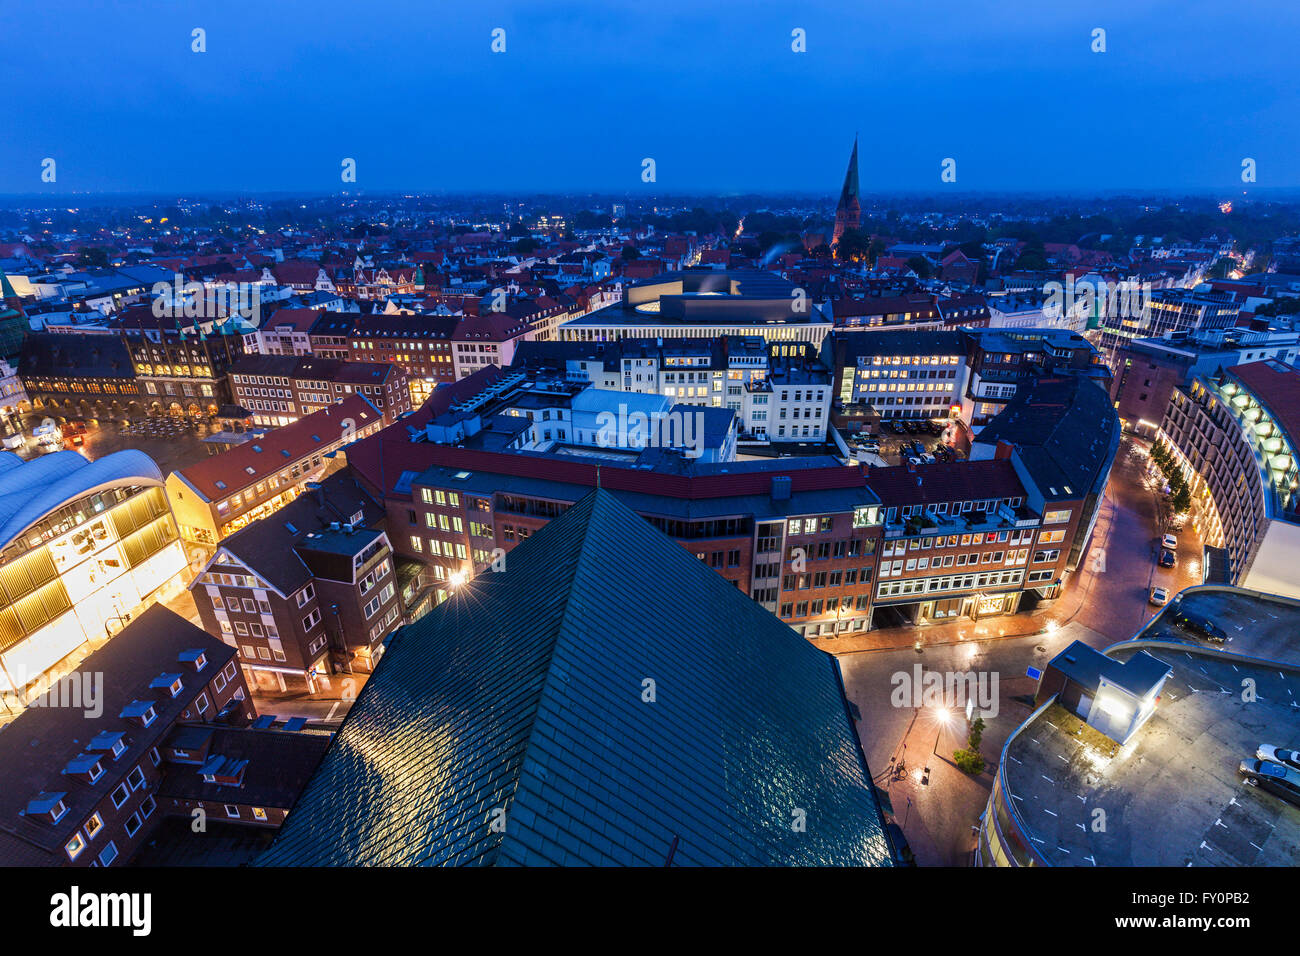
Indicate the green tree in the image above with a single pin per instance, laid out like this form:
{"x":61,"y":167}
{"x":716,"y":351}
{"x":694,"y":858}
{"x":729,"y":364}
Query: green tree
{"x":921,"y":266}
{"x":968,"y":761}
{"x":976,"y":733}
{"x":853,"y":246}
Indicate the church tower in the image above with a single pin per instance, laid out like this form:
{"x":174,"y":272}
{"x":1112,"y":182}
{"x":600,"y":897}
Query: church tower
{"x":848,"y":214}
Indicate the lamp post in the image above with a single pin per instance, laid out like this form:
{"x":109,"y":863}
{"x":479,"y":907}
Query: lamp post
{"x":943,"y":717}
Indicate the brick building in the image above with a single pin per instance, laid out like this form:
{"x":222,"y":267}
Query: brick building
{"x":306,"y":594}
{"x":279,"y":389}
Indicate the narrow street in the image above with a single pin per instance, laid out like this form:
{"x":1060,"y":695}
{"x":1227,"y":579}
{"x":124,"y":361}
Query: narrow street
{"x":1105,"y":602}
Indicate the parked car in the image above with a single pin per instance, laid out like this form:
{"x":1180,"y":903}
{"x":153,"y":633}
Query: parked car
{"x":1170,"y":542}
{"x":1287,"y":758}
{"x":1275,"y":778}
{"x":1167,"y":558}
{"x":1199,"y":626}
{"x":1159,"y":596}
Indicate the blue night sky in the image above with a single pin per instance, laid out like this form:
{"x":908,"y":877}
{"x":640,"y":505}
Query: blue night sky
{"x":710,"y":90}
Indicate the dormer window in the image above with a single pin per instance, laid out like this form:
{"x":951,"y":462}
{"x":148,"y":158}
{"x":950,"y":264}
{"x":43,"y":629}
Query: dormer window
{"x":86,"y":766}
{"x":108,"y":742}
{"x":195,"y":658}
{"x":172,"y":683}
{"x":140,"y":711}
{"x":47,"y":806}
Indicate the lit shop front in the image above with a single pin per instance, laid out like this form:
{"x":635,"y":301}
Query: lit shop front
{"x":84,"y":568}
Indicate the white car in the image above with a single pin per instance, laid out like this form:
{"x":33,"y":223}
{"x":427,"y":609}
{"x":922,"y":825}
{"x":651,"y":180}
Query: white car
{"x":1287,"y":758}
{"x":1170,"y":542}
{"x":1159,"y":596}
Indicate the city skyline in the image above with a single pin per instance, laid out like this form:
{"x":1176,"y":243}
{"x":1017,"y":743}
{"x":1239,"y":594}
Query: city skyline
{"x":721,"y":102}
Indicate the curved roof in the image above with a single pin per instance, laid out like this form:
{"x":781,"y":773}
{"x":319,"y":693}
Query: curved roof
{"x":33,"y":490}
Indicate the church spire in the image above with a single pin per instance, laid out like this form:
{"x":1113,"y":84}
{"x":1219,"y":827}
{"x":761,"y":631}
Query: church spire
{"x":849,"y":193}
{"x":848,"y":213}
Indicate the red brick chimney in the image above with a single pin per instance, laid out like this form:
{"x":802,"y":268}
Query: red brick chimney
{"x":1004,"y":449}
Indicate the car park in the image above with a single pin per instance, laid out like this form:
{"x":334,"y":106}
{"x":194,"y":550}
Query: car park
{"x":1167,"y":558}
{"x":1286,"y":758}
{"x":1159,"y":596}
{"x":1275,"y":778}
{"x":1170,"y":542}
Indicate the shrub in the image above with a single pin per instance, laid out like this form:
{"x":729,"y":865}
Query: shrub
{"x":968,"y":761}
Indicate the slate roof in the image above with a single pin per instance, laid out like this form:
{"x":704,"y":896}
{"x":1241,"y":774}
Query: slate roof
{"x":42,"y":740}
{"x":1066,"y":431}
{"x":271,"y":546}
{"x":1086,"y":666}
{"x":278,"y":765}
{"x":524,"y":692}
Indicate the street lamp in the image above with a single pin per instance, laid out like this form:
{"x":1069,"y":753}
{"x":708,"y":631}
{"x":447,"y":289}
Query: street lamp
{"x":943,"y":717}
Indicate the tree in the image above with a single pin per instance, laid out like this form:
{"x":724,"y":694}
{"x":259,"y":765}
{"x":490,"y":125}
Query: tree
{"x":976,"y":733}
{"x":1182,"y":500}
{"x":630,"y":252}
{"x":921,"y":266}
{"x":853,"y":246}
{"x":968,"y":761}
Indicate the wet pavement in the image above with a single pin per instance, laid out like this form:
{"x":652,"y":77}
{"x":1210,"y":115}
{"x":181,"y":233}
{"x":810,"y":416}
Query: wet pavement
{"x":169,"y":450}
{"x":1104,"y":602}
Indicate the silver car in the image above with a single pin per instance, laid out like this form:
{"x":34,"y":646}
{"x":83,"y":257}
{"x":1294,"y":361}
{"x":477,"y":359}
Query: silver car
{"x":1287,"y":758}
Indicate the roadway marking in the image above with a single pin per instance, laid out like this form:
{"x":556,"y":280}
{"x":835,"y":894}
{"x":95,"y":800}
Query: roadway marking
{"x":330,"y":715}
{"x":1047,"y":778}
{"x":1045,"y":810}
{"x":1091,"y":860}
{"x":1009,"y":757}
{"x":1256,"y":846}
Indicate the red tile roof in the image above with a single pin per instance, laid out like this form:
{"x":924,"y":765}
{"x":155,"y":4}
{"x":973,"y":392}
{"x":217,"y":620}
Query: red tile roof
{"x":278,"y":448}
{"x":1277,"y":386}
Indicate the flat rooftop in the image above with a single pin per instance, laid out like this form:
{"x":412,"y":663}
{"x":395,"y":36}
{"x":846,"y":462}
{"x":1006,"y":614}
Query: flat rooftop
{"x":1173,"y":795}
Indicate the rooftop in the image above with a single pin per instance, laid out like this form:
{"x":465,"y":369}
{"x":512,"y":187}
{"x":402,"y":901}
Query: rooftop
{"x":223,"y":474}
{"x":524,"y":694}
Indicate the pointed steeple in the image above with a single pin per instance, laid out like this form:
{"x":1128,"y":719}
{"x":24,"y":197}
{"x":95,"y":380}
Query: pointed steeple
{"x":848,"y":213}
{"x":849,"y":193}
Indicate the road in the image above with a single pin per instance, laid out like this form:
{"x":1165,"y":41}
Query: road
{"x":1114,"y":581}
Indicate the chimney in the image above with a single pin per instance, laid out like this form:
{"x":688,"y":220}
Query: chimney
{"x":1004,"y":449}
{"x":781,"y":487}
{"x":911,"y":468}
